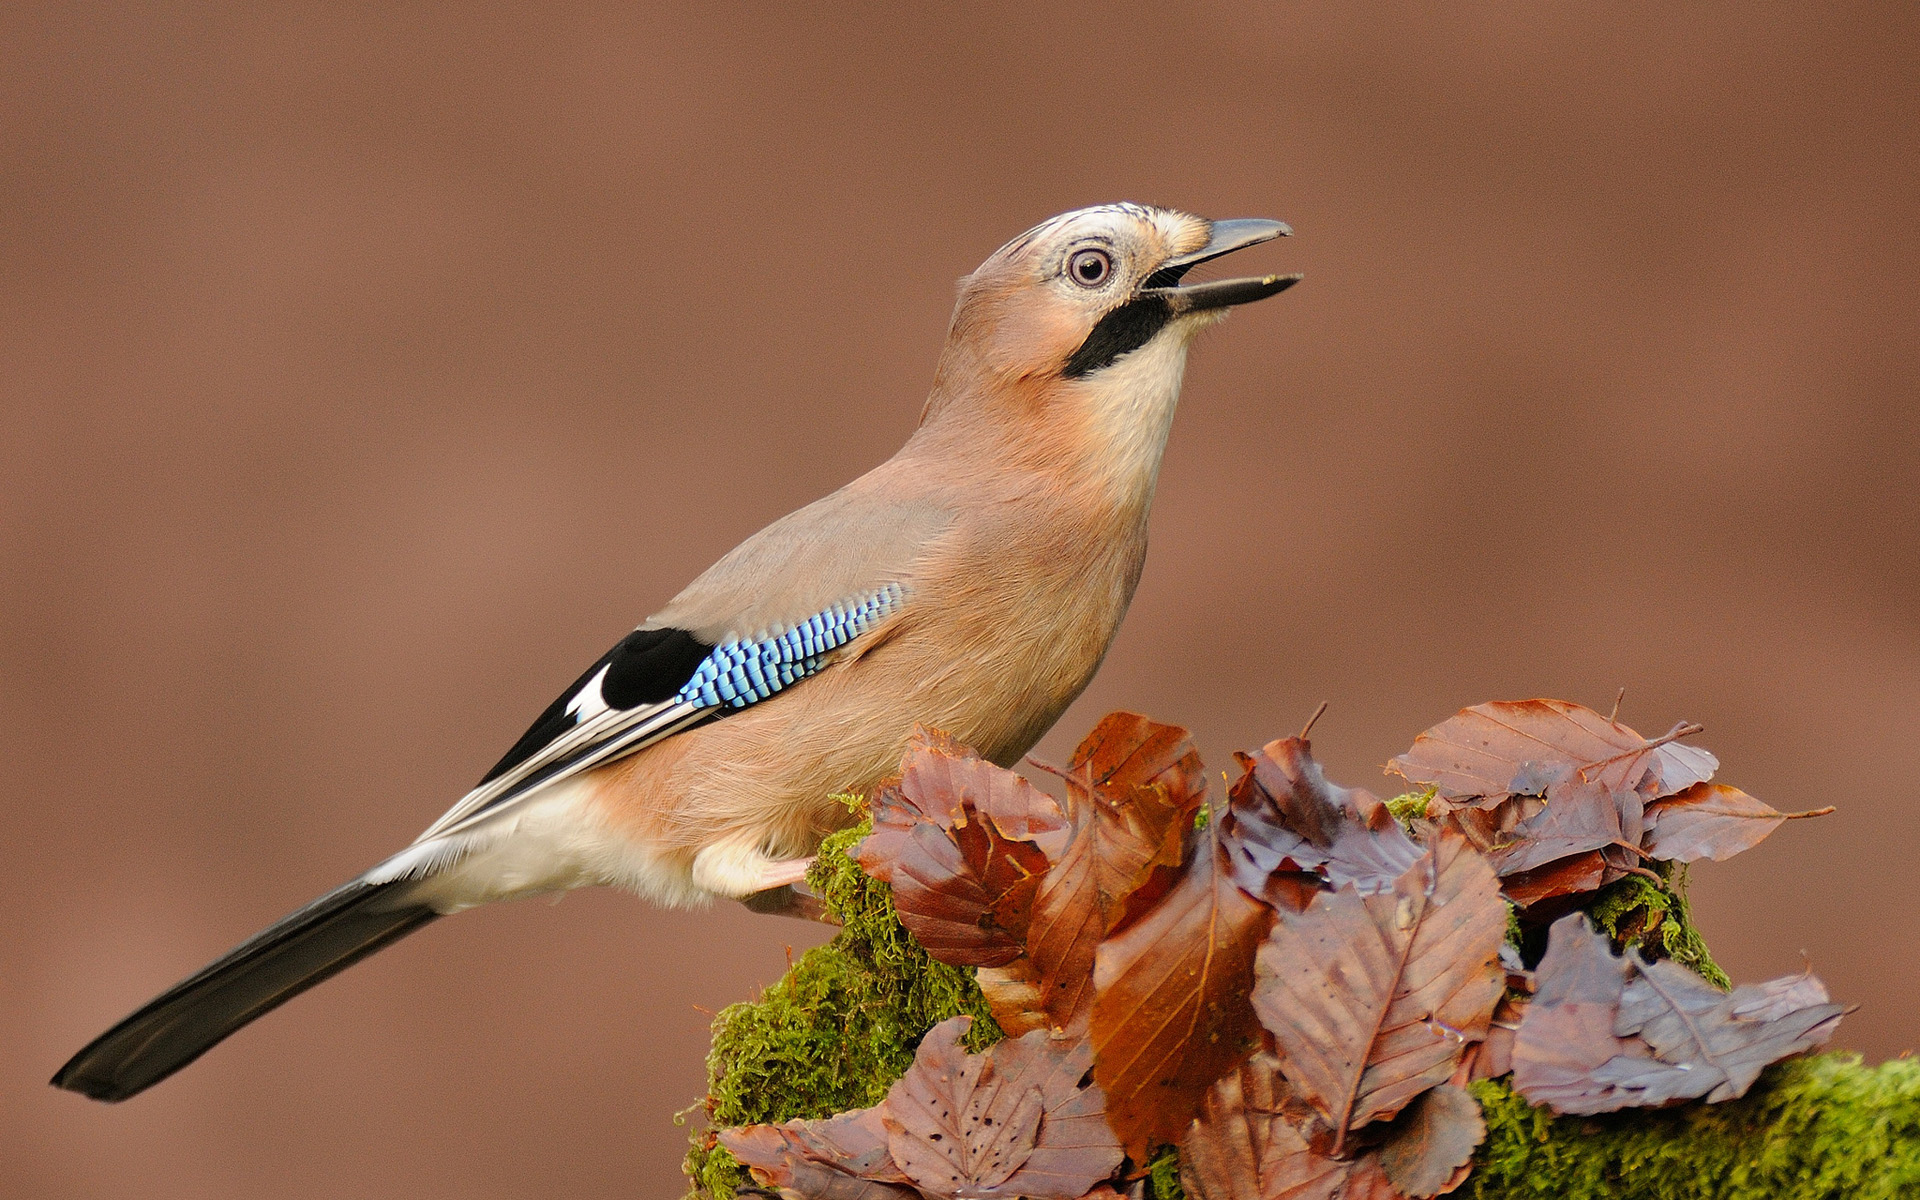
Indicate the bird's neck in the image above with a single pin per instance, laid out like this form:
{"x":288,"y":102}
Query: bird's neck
{"x":1101,"y":436}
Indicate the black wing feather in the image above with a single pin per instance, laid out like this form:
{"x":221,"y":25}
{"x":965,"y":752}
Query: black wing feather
{"x":645,"y":667}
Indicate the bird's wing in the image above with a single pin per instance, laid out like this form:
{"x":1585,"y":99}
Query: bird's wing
{"x":778,"y":608}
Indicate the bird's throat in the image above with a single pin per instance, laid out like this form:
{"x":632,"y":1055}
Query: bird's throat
{"x":1125,"y":412}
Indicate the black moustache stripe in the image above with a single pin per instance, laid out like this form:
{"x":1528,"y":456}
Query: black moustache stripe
{"x":1121,"y":331}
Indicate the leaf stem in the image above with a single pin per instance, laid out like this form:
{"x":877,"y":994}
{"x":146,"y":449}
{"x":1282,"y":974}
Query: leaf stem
{"x":1308,"y":727}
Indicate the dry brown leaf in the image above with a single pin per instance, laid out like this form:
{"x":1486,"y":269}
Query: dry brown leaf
{"x":840,"y":1158}
{"x":1133,"y":787}
{"x":1011,"y":1122}
{"x":1075,"y":1148}
{"x":1368,"y":1181}
{"x":1579,"y":816}
{"x":895,"y":815}
{"x":1566,"y":1036}
{"x":964,"y":844}
{"x":1733,"y":1036}
{"x":1126,"y":750}
{"x":1779,"y":997}
{"x":1566,"y":877}
{"x":1432,"y":1141}
{"x":894,"y":819}
{"x":1016,"y":1121}
{"x":1372,"y":999}
{"x":967,"y":894}
{"x":1171,"y":1012}
{"x":1296,"y":821}
{"x":1050,"y":985}
{"x":1710,"y":820}
{"x":1487,"y":826}
{"x":1553,"y":792}
{"x":1246,"y":1146}
{"x":951,"y":1127}
{"x":1605,"y":1032}
{"x":1493,"y":750}
{"x":1494,"y":1057}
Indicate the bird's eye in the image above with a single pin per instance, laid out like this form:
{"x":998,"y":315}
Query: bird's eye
{"x":1090,"y":268}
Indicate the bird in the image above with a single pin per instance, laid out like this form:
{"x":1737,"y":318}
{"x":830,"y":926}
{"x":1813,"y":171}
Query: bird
{"x":973,"y":583}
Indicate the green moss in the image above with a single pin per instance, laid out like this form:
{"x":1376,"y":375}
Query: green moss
{"x":838,"y":1029}
{"x":1163,"y":1176}
{"x":1412,"y":806}
{"x":1816,"y":1129}
{"x":1656,"y":918}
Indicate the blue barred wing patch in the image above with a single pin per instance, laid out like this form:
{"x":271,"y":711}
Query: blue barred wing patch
{"x":590,"y":725}
{"x":739,"y":673}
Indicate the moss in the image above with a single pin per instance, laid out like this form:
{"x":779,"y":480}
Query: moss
{"x":1654,"y":916}
{"x":839,"y":1028}
{"x":1163,"y":1176}
{"x":1411,"y":807}
{"x":1815,"y":1129}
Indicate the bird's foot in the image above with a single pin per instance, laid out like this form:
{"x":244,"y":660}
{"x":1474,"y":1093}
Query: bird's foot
{"x":783,"y":873}
{"x":791,"y":901}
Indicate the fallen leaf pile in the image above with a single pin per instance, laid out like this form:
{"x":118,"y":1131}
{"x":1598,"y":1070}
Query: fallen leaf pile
{"x":1564,"y":800}
{"x":1604,"y":1033}
{"x":1292,"y":987}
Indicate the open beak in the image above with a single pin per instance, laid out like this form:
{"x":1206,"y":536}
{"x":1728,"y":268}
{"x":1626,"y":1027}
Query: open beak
{"x":1227,"y":236}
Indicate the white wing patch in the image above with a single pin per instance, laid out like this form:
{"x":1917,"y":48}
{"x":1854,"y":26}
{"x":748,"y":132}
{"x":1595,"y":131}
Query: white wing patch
{"x":591,"y":700}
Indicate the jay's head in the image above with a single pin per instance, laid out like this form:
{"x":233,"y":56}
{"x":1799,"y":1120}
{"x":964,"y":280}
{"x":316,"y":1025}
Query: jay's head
{"x":1096,"y":301}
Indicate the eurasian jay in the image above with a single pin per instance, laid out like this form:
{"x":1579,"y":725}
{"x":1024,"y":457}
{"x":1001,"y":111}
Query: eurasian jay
{"x":972,"y":583}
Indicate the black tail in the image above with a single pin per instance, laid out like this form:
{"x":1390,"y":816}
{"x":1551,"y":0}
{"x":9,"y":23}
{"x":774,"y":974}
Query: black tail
{"x":170,"y":1031}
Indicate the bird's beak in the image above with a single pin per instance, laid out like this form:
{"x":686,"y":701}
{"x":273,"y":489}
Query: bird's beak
{"x":1227,"y":236}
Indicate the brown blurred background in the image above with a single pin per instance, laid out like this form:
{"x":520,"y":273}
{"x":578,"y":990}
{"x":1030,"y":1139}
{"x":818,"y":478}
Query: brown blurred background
{"x":369,"y":369}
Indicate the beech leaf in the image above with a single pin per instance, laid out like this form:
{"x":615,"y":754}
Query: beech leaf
{"x":1245,"y":1146}
{"x":1050,"y":985}
{"x":1368,"y":1181}
{"x":1604,"y":1032}
{"x":1126,"y":750}
{"x":1484,"y":752}
{"x":840,"y":1158}
{"x":1132,"y":789}
{"x":1710,"y":820}
{"x":1297,"y":821}
{"x":1579,"y":816}
{"x":1432,"y":1140}
{"x":1171,"y":1012}
{"x":1076,"y":1149}
{"x":1565,"y":877}
{"x":1371,"y":1000}
{"x":964,"y":844}
{"x":948,"y":1127}
{"x":1685,"y":1019}
{"x":1778,"y":997}
{"x":1011,"y":1122}
{"x":1016,"y":1121}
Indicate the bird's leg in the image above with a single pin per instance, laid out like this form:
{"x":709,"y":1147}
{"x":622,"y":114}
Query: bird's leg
{"x":737,"y":866}
{"x":782,"y":891}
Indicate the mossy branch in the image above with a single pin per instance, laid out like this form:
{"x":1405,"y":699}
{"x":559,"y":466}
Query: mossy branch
{"x":842,"y":1025}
